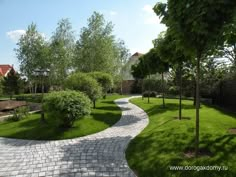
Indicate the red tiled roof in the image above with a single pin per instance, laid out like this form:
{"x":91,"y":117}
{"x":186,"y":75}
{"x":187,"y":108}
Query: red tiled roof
{"x":4,"y":69}
{"x":137,"y":54}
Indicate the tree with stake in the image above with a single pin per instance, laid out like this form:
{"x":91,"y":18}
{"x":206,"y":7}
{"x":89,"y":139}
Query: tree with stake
{"x":198,"y":26}
{"x":167,"y":48}
{"x":156,"y":65}
{"x":150,"y":63}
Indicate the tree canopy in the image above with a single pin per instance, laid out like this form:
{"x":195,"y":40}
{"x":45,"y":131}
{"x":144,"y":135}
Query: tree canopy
{"x":61,"y":52}
{"x":198,"y":27}
{"x":97,"y":49}
{"x":32,"y":52}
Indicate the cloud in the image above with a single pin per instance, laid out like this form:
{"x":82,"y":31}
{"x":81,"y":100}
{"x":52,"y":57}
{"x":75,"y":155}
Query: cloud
{"x":15,"y":35}
{"x":147,"y":8}
{"x":150,"y":17}
{"x":113,"y":13}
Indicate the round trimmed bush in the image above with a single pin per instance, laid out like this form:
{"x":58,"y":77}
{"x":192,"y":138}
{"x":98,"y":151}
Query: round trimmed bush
{"x":104,"y":79}
{"x":86,"y":84}
{"x":66,"y":106}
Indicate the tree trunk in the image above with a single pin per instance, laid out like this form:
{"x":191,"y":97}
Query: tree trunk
{"x":35,"y":88}
{"x":194,"y":93}
{"x":121,"y":87}
{"x":42,"y":117}
{"x":197,"y":105}
{"x":42,"y":112}
{"x":94,"y":104}
{"x":163,"y":92}
{"x":104,"y":96}
{"x":180,"y":92}
{"x":142,"y":89}
{"x":42,"y":89}
{"x":149,"y":88}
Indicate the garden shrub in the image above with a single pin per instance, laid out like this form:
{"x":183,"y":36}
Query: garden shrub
{"x":86,"y":84}
{"x":66,"y":106}
{"x":104,"y":79}
{"x":151,"y":94}
{"x":20,"y":113}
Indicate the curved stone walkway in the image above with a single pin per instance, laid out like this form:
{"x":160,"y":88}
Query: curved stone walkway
{"x":100,"y":154}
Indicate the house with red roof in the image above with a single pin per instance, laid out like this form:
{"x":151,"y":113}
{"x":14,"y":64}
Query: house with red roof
{"x":5,"y":69}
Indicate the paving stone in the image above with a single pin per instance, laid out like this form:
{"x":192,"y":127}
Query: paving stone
{"x":99,"y":154}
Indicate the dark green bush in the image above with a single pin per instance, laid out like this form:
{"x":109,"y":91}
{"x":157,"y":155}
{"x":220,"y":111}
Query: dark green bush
{"x":86,"y":84}
{"x":66,"y":106}
{"x":151,"y":94}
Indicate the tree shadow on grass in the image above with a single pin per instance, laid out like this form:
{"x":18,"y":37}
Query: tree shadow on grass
{"x":158,"y":109}
{"x":107,"y":117}
{"x":222,"y":110}
{"x":152,"y":154}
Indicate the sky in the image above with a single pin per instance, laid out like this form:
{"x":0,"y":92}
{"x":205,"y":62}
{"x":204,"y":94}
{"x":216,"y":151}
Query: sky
{"x":134,"y":21}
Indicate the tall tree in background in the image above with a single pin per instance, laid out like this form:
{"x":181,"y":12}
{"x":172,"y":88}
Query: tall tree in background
{"x":97,"y":49}
{"x":198,"y":26}
{"x":61,"y":52}
{"x":32,"y":54}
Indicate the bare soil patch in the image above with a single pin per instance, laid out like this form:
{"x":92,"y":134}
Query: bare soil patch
{"x":11,"y":104}
{"x":190,"y":153}
{"x":232,"y":131}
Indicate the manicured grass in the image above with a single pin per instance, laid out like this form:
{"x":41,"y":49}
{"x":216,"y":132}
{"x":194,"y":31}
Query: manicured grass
{"x":105,"y":115}
{"x":163,"y":142}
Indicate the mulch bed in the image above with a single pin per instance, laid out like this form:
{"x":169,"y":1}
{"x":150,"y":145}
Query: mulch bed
{"x":190,"y":153}
{"x":232,"y":131}
{"x":7,"y":107}
{"x":11,"y":104}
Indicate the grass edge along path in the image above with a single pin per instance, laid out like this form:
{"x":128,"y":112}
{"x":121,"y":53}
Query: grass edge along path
{"x":106,"y":114}
{"x":166,"y":141}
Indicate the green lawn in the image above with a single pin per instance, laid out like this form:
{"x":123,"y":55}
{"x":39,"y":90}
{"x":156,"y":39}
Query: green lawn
{"x":104,"y":116}
{"x":163,"y":142}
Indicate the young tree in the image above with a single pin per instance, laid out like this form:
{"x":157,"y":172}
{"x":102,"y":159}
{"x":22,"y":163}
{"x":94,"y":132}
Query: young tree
{"x":157,"y":65}
{"x":198,"y":26}
{"x":104,"y":79}
{"x":151,"y":63}
{"x":61,"y":52}
{"x":97,"y":49}
{"x":139,"y":71}
{"x":32,"y":54}
{"x":84,"y":83}
{"x":168,"y":50}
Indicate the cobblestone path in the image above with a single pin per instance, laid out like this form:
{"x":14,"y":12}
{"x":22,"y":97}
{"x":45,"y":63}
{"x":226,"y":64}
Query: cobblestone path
{"x":100,"y":154}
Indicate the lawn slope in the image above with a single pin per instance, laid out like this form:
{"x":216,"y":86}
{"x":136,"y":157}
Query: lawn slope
{"x":105,"y":115}
{"x":165,"y":140}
